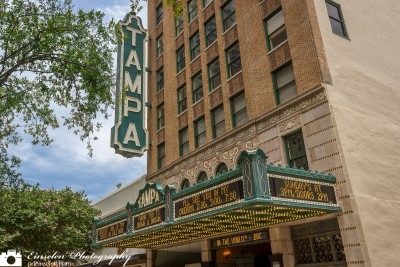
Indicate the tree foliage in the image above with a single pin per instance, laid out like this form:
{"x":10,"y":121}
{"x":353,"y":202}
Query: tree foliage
{"x":52,"y":56}
{"x":44,"y":221}
{"x":176,"y":5}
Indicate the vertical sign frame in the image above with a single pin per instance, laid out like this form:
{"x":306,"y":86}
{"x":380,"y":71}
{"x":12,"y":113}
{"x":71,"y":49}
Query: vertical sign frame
{"x":129,"y":136}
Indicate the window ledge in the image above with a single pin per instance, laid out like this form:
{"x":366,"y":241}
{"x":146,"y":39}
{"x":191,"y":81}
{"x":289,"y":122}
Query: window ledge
{"x":193,"y":19}
{"x":344,"y":37}
{"x":216,"y":40}
{"x":284,"y":42}
{"x":197,"y":102}
{"x":176,"y":37}
{"x":183,"y":112}
{"x":180,"y":71}
{"x":159,"y":24}
{"x":207,"y":5}
{"x":159,"y":56}
{"x":227,"y":30}
{"x":159,"y":130}
{"x":195,"y":58}
{"x":162,"y":89}
{"x":215,"y":89}
{"x":230,"y":78}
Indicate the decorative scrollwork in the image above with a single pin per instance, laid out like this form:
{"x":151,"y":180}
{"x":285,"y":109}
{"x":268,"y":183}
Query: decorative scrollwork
{"x":210,"y":166}
{"x":231,"y":156}
{"x":251,"y":144}
{"x":247,"y":178}
{"x":289,"y":125}
{"x":262,"y":176}
{"x":192,"y":173}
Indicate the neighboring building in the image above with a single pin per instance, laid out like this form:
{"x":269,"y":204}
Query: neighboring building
{"x":312,"y":84}
{"x":112,"y":204}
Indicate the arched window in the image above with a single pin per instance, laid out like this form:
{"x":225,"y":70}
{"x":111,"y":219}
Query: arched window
{"x":222,"y":168}
{"x":202,"y":177}
{"x":185,"y":184}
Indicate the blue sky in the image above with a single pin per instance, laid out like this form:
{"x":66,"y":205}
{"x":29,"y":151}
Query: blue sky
{"x":65,"y":162}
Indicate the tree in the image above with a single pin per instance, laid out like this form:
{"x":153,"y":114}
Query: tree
{"x":52,"y":56}
{"x":44,"y":221}
{"x":176,"y":5}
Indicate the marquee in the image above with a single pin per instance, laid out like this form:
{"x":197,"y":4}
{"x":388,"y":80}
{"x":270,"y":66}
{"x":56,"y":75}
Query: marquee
{"x":252,"y":196}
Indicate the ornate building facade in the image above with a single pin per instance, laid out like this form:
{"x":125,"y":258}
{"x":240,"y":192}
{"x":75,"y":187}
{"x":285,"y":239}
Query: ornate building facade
{"x":302,"y":82}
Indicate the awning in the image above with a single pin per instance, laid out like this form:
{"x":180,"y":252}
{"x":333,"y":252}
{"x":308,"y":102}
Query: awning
{"x":253,"y":196}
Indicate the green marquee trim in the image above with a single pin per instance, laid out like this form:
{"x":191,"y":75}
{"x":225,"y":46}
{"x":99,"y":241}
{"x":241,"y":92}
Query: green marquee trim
{"x":112,"y":218}
{"x":212,"y":181}
{"x":300,"y":173}
{"x":255,"y":193}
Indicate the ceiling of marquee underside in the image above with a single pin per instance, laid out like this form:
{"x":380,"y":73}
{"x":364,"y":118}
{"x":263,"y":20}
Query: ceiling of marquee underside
{"x":236,"y":220}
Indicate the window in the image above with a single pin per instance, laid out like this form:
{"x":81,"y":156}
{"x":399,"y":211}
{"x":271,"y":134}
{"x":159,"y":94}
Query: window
{"x":180,"y":59}
{"x":194,"y":46}
{"x":179,"y":25}
{"x":197,"y":85}
{"x":214,"y":75}
{"x":160,"y":46}
{"x":183,"y":142}
{"x":160,"y":79}
{"x":182,"y":97}
{"x":210,"y":31}
{"x":285,"y":85}
{"x":228,"y":15}
{"x":185,"y":184}
{"x":336,"y":19}
{"x":206,"y":2}
{"x":202,"y":177}
{"x":218,"y":122}
{"x":276,"y":30}
{"x":161,"y":155}
{"x":200,"y":136}
{"x":222,"y":168}
{"x":159,"y":13}
{"x":318,"y":243}
{"x":160,"y":117}
{"x":233,"y":60}
{"x":296,"y":151}
{"x":239,"y":110}
{"x":192,"y":9}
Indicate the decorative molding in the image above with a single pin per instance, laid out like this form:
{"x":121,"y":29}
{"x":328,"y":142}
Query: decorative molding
{"x":231,"y":156}
{"x":208,"y":155}
{"x":192,"y":173}
{"x":251,"y":144}
{"x":179,"y":178}
{"x":210,"y":166}
{"x":291,"y":110}
{"x":289,"y":125}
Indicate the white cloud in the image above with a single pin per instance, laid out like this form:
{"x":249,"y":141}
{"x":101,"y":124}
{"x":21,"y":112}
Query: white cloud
{"x":65,"y":162}
{"x":118,"y":12}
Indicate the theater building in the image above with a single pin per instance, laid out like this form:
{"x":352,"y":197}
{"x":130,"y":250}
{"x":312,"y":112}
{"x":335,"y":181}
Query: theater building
{"x":273,"y":136}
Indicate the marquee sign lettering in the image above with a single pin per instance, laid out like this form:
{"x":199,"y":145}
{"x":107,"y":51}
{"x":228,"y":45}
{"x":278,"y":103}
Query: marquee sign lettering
{"x":148,"y":197}
{"x":149,"y":218}
{"x":241,"y":202}
{"x":111,"y":231}
{"x":129,"y":136}
{"x":214,"y":197}
{"x":239,"y":239}
{"x":298,"y":189}
{"x":151,"y":194}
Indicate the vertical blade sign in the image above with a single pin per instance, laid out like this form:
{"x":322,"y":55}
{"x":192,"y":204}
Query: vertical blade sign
{"x":129,"y":136}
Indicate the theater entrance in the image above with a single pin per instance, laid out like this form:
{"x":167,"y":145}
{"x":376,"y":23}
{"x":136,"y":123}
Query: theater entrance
{"x":257,"y":255}
{"x":243,"y":250}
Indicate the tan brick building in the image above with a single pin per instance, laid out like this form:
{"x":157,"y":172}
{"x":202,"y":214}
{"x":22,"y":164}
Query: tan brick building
{"x":313,"y":84}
